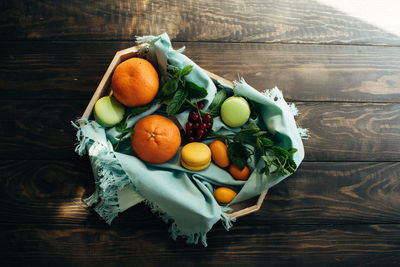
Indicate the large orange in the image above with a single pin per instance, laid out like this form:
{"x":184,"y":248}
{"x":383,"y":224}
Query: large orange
{"x":156,"y":139}
{"x":135,"y":82}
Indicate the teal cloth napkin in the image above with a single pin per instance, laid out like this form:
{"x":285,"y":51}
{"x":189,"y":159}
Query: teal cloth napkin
{"x":181,"y":197}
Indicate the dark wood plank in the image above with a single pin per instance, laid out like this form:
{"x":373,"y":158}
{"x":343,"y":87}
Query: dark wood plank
{"x":287,"y":245}
{"x":50,"y":192}
{"x":52,"y":70}
{"x":61,"y":70}
{"x":339,"y":131}
{"x":42,"y":188}
{"x":307,"y":72}
{"x":326,"y":213}
{"x":337,"y":192}
{"x":39,"y":129}
{"x":350,"y":131}
{"x":341,"y":207}
{"x":306,"y":21}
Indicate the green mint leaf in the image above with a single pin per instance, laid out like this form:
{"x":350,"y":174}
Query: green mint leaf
{"x":252,"y":127}
{"x":186,"y":70}
{"x":136,"y":110}
{"x":265,"y":141}
{"x":166,"y":100}
{"x":291,"y":165}
{"x":176,"y":72}
{"x":265,"y":170}
{"x":260,"y":133}
{"x":280,"y":152}
{"x":177,"y":101}
{"x":215,"y":105}
{"x":266,"y":159}
{"x":253,"y":110}
{"x":285,"y":171}
{"x":129,"y":130}
{"x":281,"y":159}
{"x":267,"y":162}
{"x":246,"y":134}
{"x":292,"y":150}
{"x":195,"y":91}
{"x":259,"y":145}
{"x":238,"y":154}
{"x":120,"y":126}
{"x":170,"y":87}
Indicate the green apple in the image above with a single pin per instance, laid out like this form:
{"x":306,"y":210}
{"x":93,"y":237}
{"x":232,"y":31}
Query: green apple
{"x":235,"y":111}
{"x":108,"y":111}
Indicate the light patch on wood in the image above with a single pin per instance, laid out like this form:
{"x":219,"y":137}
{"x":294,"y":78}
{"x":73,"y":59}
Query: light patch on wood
{"x":382,"y":13}
{"x":72,"y":209}
{"x":379,"y":228}
{"x":389,"y":84}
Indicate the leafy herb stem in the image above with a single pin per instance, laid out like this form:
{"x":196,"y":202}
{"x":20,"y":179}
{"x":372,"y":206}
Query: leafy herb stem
{"x":120,"y":138}
{"x":222,"y":135}
{"x":196,"y":107}
{"x":123,"y":128}
{"x":278,"y":161}
{"x":178,"y":90}
{"x":119,"y":141}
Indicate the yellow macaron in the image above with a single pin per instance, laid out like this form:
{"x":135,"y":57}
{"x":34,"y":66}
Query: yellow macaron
{"x":195,"y":156}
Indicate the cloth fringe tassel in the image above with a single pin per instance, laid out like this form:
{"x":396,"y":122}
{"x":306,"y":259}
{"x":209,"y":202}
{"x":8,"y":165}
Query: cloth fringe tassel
{"x":275,"y":94}
{"x":111,"y":178}
{"x":175,"y":231}
{"x":227,"y":222}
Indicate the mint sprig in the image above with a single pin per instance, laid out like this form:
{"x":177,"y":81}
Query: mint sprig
{"x":177,"y":101}
{"x":177,"y":90}
{"x":170,"y":87}
{"x":123,"y":128}
{"x":272,"y":154}
{"x":216,"y":104}
{"x":238,"y":154}
{"x":195,"y":91}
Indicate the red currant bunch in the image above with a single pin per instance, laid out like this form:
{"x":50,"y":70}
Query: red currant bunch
{"x":198,"y":125}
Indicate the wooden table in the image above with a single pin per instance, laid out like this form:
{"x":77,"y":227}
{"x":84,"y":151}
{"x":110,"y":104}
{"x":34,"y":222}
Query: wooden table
{"x":341,"y":207}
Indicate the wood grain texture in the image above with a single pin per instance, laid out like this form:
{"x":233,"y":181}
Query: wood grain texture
{"x":340,"y":208}
{"x":306,"y":21}
{"x":307,"y":72}
{"x":49,"y":193}
{"x":343,"y":192}
{"x":327,"y":245}
{"x":350,"y":131}
{"x":41,"y":129}
{"x":326,"y":213}
{"x":61,"y":70}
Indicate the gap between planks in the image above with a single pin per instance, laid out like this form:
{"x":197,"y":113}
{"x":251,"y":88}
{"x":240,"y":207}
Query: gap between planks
{"x":199,"y":41}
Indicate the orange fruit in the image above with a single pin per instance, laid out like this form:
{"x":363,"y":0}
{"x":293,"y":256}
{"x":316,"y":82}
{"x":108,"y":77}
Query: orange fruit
{"x":239,"y":174}
{"x":135,"y":82}
{"x":224,"y":194}
{"x":219,"y":153}
{"x":156,"y":139}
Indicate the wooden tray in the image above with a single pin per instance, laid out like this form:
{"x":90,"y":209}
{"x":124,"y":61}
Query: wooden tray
{"x":104,"y":88}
